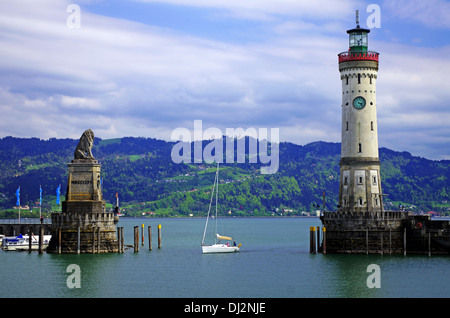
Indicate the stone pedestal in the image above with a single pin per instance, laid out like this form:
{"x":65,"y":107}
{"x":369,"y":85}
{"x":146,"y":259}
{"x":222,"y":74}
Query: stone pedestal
{"x":83,"y":226}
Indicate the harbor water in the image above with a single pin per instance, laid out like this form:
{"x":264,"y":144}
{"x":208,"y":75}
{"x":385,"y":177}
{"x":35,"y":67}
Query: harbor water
{"x":274,"y":262}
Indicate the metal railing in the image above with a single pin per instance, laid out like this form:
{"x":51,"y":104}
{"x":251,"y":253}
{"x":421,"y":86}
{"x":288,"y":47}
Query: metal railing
{"x":26,"y":221}
{"x":358,"y":56}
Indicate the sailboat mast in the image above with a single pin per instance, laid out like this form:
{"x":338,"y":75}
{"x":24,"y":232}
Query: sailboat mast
{"x":217,"y":194}
{"x":210,"y":203}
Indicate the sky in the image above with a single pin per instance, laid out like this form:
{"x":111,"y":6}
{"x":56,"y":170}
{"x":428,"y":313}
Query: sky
{"x":143,"y":68}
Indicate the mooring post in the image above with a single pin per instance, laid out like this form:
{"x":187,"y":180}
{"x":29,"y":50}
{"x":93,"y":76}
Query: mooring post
{"x":367,"y":240}
{"x":142,"y":235}
{"x":59,"y":240}
{"x":93,"y":240}
{"x":159,"y":235}
{"x":149,"y":237}
{"x":30,"y":234}
{"x":390,"y":241}
{"x":41,"y":239}
{"x":382,"y":233}
{"x":324,"y":240}
{"x":312,"y":240}
{"x":121,"y":238}
{"x":318,"y":239}
{"x":136,"y":239}
{"x":429,"y":244}
{"x":118,"y":239}
{"x":404,"y":241}
{"x":98,"y":239}
{"x":78,"y":240}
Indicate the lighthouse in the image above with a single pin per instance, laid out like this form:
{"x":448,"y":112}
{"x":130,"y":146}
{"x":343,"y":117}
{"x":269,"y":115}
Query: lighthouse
{"x":360,"y":183}
{"x":360,"y":225}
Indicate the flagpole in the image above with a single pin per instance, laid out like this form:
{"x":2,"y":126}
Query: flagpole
{"x":40,"y":202}
{"x":18,"y":200}
{"x":58,"y":197}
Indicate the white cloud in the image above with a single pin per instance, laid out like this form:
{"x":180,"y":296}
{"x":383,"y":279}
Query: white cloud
{"x":431,"y":13}
{"x":266,"y":9}
{"x":123,"y":78}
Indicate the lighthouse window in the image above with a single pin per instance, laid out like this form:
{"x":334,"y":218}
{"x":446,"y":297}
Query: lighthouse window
{"x":360,"y":201}
{"x":371,"y":125}
{"x":345,"y":181}
{"x":374,"y":180}
{"x":359,"y":78}
{"x":359,"y":147}
{"x":346,"y":123}
{"x":360,"y":180}
{"x":346,"y":80}
{"x":370,"y":79}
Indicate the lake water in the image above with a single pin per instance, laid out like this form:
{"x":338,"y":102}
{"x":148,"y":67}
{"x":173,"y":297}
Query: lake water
{"x":274,"y":262}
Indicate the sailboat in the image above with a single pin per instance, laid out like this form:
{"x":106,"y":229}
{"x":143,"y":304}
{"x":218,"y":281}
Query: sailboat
{"x":218,"y":246}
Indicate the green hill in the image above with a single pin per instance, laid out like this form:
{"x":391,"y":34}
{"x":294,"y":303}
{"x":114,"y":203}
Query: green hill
{"x":142,"y":172}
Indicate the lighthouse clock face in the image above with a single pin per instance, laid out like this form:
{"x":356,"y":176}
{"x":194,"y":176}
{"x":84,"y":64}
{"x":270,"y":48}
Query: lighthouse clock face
{"x":359,"y":102}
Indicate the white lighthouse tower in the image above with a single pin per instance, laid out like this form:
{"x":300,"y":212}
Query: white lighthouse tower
{"x":360,"y":184}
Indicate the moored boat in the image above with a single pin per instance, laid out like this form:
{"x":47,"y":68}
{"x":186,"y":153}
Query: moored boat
{"x":22,"y":242}
{"x":218,"y":246}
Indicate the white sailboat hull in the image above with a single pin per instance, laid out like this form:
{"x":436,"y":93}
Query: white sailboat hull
{"x":219,"y":248}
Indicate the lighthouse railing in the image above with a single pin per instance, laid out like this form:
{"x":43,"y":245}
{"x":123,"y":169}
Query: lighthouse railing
{"x":358,"y":56}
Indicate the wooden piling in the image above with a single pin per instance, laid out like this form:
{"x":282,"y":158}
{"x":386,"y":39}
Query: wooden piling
{"x":41,"y":239}
{"x":382,"y":234}
{"x":324,"y":238}
{"x":78,"y":240}
{"x":121,"y":238}
{"x":390,"y":241}
{"x":30,"y":233}
{"x":142,"y":235}
{"x":59,"y":240}
{"x":118,"y":239}
{"x":312,"y":240}
{"x":404,"y":241}
{"x":136,"y":239}
{"x":93,"y":240}
{"x":149,"y":237}
{"x":318,"y":239}
{"x":429,"y":244}
{"x":98,"y":239}
{"x":159,"y":235}
{"x":367,"y":241}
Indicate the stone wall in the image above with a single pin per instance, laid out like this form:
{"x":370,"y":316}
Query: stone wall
{"x":398,"y":232}
{"x":83,"y":233}
{"x":352,"y":232}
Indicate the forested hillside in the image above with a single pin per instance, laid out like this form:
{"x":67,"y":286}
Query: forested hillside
{"x":148,"y":181}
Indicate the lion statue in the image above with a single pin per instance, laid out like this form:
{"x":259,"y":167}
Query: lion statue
{"x":84,"y":147}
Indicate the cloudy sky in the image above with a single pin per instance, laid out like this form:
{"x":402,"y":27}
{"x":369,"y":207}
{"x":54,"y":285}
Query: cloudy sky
{"x":146,"y":67}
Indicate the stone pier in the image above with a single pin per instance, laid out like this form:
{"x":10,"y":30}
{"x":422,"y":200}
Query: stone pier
{"x":84,"y":226}
{"x":398,"y":232}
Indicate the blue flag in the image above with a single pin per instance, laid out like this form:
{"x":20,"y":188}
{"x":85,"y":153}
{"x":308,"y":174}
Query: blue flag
{"x":58,"y":193}
{"x":18,"y":196}
{"x":40,"y":195}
